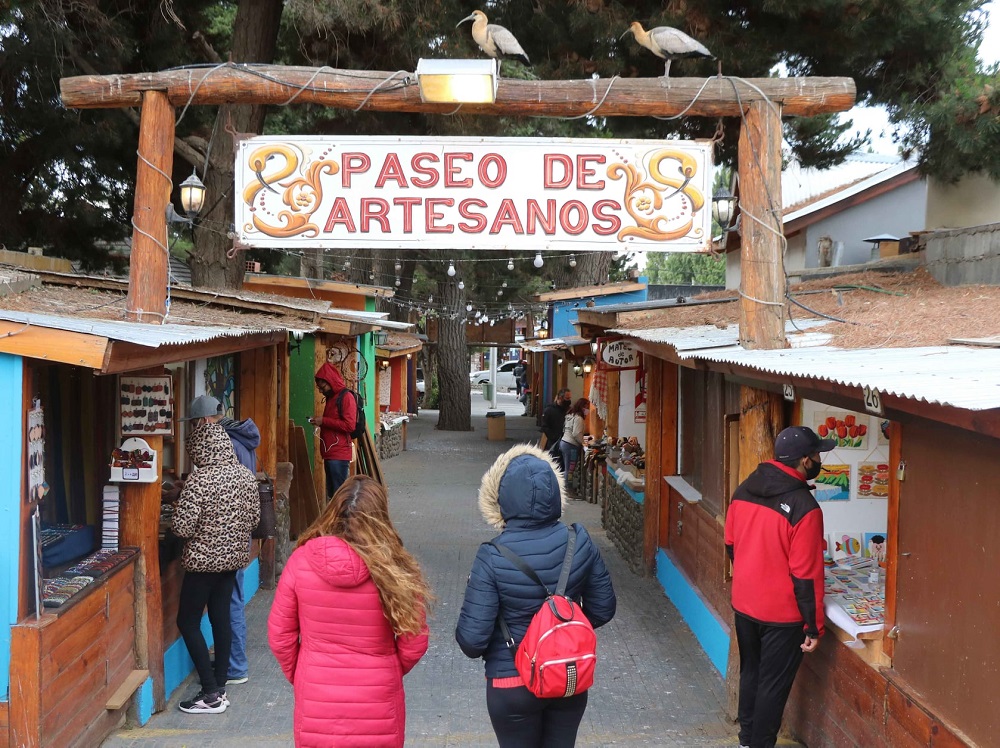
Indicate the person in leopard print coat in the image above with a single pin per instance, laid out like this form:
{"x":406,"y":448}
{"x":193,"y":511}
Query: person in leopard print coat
{"x":216,"y":512}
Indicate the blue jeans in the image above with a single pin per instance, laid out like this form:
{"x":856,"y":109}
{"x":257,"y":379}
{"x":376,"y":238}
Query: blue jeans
{"x":336,"y":474}
{"x":238,"y":665}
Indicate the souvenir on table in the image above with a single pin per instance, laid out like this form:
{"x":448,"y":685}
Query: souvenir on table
{"x":875,"y":546}
{"x":847,"y":547}
{"x":133,"y":462}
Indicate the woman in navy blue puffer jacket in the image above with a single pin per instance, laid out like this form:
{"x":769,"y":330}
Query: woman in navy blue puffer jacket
{"x":523,"y":494}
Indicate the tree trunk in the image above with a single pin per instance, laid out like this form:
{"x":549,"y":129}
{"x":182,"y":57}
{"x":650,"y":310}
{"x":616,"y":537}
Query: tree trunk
{"x":453,"y":361}
{"x":591,"y":269}
{"x":255,"y":35}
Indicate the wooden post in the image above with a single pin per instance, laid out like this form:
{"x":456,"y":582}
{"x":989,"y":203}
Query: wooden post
{"x":140,"y":522}
{"x":762,"y":294}
{"x":656,"y":398}
{"x":148,"y":266}
{"x":762,"y":267}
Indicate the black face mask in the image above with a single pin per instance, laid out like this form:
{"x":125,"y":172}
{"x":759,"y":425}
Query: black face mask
{"x":813,"y":470}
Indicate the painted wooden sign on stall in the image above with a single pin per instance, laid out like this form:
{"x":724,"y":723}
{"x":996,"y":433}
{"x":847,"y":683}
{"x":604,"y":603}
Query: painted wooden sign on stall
{"x":614,"y":355}
{"x":472,"y":193}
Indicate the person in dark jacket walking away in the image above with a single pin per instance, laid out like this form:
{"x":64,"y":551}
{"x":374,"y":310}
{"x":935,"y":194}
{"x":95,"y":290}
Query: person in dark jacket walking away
{"x":553,"y":418}
{"x":335,"y":426}
{"x":245,"y":437}
{"x":523,"y":495}
{"x":774,"y":536}
{"x":217,"y":509}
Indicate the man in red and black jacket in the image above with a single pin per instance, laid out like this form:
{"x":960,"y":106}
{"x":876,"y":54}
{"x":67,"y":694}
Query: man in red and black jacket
{"x":774,"y":536}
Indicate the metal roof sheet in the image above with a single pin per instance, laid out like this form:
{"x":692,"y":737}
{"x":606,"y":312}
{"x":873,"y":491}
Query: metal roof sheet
{"x":702,"y":337}
{"x":642,"y":306}
{"x":152,"y":336}
{"x":958,"y":376}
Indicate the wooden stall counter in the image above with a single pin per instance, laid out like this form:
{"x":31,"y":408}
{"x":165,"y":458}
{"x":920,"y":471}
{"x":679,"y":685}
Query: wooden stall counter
{"x":69,"y":664}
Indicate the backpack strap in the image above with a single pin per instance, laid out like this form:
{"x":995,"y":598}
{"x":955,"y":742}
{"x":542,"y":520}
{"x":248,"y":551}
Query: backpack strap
{"x":529,"y":572}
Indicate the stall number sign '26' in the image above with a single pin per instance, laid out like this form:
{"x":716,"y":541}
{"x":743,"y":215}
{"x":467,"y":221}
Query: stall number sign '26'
{"x":472,"y":193}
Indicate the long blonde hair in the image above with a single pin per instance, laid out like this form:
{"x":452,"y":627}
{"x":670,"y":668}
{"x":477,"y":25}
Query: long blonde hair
{"x":359,"y":514}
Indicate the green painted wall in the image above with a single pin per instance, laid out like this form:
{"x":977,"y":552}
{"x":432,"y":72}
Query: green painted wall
{"x":371,"y":397}
{"x":301,"y":385}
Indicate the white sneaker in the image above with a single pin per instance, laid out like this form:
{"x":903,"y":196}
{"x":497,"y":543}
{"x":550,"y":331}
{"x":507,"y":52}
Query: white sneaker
{"x":235,"y":681}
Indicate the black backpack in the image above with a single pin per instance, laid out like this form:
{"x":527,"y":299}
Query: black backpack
{"x":359,"y":421}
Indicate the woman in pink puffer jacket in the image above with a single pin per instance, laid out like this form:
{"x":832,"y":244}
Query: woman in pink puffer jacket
{"x":349,"y":621}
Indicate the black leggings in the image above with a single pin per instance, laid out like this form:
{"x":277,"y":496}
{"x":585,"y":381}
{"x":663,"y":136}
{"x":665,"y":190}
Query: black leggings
{"x":201,"y":589}
{"x":522,"y":720}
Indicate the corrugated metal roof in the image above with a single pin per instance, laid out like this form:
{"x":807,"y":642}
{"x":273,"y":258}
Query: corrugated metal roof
{"x":959,"y":376}
{"x":152,"y":336}
{"x":702,"y":337}
{"x":643,"y":306}
{"x":800,"y":184}
{"x":378,"y":319}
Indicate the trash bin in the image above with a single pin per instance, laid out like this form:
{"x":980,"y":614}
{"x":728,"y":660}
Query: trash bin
{"x":487,"y":391}
{"x":496,"y":426}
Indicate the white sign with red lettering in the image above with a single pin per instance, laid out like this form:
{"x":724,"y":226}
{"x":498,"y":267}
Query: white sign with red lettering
{"x":473,"y":193}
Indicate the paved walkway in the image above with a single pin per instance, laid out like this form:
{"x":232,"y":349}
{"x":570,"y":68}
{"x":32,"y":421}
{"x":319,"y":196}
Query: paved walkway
{"x":654,"y":687}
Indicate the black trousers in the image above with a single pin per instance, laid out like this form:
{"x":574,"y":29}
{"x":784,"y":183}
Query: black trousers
{"x":213,"y":590}
{"x":769,"y":659}
{"x":522,"y":720}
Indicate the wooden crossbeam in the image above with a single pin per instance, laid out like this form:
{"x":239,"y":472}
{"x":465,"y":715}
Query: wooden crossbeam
{"x":398,"y":92}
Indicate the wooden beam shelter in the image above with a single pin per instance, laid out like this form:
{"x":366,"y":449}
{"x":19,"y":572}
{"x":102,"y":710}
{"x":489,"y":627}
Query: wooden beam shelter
{"x":380,"y":91}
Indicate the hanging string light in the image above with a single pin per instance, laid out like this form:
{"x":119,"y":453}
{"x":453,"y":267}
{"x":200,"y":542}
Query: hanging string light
{"x":430,"y":299}
{"x":451,"y":269}
{"x":572,"y":261}
{"x":398,"y":267}
{"x":461,"y":285}
{"x":538,"y":260}
{"x":347,"y":264}
{"x":468,"y":307}
{"x":510,"y":263}
{"x":371,"y":275}
{"x":504,"y":284}
{"x":398,"y":282}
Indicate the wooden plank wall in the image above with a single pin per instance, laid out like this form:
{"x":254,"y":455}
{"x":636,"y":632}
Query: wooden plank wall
{"x":698,"y":547}
{"x":839,"y":700}
{"x":258,"y":385}
{"x":65,"y":666}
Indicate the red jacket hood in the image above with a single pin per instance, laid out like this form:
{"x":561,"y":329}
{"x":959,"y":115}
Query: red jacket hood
{"x":336,"y":562}
{"x":329,"y":373}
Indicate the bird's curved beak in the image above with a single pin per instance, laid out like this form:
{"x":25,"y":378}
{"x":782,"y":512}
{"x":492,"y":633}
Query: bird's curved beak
{"x":626,"y":31}
{"x":467,"y":18}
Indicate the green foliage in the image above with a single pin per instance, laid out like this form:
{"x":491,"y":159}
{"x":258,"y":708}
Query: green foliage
{"x":68,"y":175}
{"x":685,"y":269}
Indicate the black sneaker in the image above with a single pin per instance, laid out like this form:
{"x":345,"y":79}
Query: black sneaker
{"x":205,"y":703}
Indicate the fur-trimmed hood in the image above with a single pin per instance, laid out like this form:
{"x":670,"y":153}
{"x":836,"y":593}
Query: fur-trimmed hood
{"x":523,"y":484}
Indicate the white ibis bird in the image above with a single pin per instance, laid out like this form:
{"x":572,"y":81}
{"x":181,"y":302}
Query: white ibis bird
{"x":668,"y":44}
{"x":493,"y":39}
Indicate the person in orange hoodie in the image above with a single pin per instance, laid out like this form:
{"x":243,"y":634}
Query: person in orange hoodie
{"x":335,"y":426}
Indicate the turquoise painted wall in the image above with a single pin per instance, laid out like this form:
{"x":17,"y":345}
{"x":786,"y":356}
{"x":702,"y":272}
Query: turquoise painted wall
{"x":710,"y":632}
{"x":367,"y":347}
{"x":11,"y":447}
{"x":301,"y":387}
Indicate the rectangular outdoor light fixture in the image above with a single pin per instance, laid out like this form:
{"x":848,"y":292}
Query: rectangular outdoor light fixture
{"x":457,"y":81}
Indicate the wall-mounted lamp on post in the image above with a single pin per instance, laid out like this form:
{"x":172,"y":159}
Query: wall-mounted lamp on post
{"x":192,"y":195}
{"x":593,"y":347}
{"x":588,"y":365}
{"x":383,"y":363}
{"x":724,"y":208}
{"x":380,"y":338}
{"x":296,"y":342}
{"x":457,"y":81}
{"x":578,"y":369}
